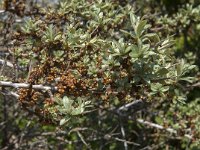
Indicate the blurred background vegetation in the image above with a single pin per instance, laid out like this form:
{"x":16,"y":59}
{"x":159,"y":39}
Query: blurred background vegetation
{"x":170,"y":123}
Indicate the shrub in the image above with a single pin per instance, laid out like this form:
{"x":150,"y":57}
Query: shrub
{"x":81,"y":56}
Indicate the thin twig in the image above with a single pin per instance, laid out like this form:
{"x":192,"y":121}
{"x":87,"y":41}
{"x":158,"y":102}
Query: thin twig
{"x":170,"y":130}
{"x":124,"y":135}
{"x":82,"y":139}
{"x":13,"y":94}
{"x":132,"y":104}
{"x":128,"y":142}
{"x":29,"y":71}
{"x":196,"y":85}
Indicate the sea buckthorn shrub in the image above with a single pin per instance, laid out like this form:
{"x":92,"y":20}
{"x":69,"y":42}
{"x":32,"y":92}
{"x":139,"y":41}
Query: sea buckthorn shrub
{"x":93,"y":51}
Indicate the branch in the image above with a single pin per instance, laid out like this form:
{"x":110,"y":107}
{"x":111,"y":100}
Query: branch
{"x":2,"y":11}
{"x":196,"y":84}
{"x":7,"y":63}
{"x":123,"y":135}
{"x":135,"y":105}
{"x":10,"y":64}
{"x":128,"y":142}
{"x":13,"y":94}
{"x":26,"y":85}
{"x":6,"y":92}
{"x":83,"y":140}
{"x":170,"y":130}
{"x":109,"y":136}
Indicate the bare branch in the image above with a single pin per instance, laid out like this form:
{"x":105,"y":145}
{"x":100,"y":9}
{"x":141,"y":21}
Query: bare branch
{"x":83,"y":140}
{"x":196,"y":84}
{"x":124,"y":135}
{"x":170,"y":130}
{"x":26,"y":85}
{"x":6,"y":63}
{"x":2,"y":11}
{"x":134,"y":104}
{"x":128,"y":142}
{"x":14,"y":94}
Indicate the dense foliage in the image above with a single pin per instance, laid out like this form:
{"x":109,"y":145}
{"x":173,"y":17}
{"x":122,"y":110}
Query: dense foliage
{"x":100,"y":74}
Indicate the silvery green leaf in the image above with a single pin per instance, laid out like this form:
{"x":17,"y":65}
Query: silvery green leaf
{"x":93,"y":40}
{"x":58,"y":37}
{"x":188,"y":79}
{"x":50,"y":33}
{"x":134,"y":52}
{"x":149,"y":53}
{"x":128,"y":49}
{"x":107,"y":20}
{"x":166,"y":44}
{"x":155,"y":86}
{"x":80,"y":101}
{"x":87,"y":102}
{"x":128,"y":33}
{"x":67,"y":102}
{"x":145,"y":47}
{"x":64,"y":111}
{"x":133,"y":19}
{"x":191,"y":67}
{"x":164,"y":88}
{"x":77,"y":111}
{"x":63,"y":121}
{"x":139,"y":28}
{"x":153,"y":37}
{"x":179,"y":68}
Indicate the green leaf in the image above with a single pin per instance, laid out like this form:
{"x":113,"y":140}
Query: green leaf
{"x":77,"y":111}
{"x":139,"y":28}
{"x":133,"y":19}
{"x":128,"y":33}
{"x":156,"y":87}
{"x":50,"y":33}
{"x":134,"y":52}
{"x":63,"y":121}
{"x":162,"y":71}
{"x":159,"y":120}
{"x":145,"y":47}
{"x":179,"y":68}
{"x":67,"y":103}
{"x":153,"y":37}
{"x":188,"y":79}
{"x":58,"y":37}
{"x":87,"y":103}
{"x":166,"y":44}
{"x":192,"y":67}
{"x":58,"y":53}
{"x":164,"y":88}
{"x":128,"y":49}
{"x":101,"y":15}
